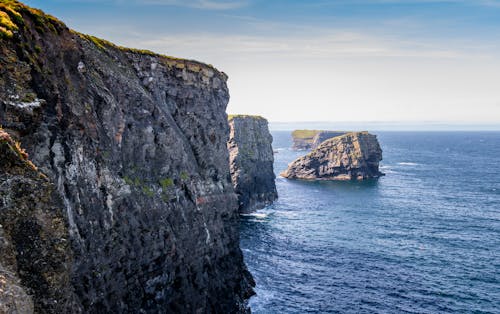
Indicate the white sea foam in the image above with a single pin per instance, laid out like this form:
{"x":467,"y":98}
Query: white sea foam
{"x":407,"y":164}
{"x":256,"y":215}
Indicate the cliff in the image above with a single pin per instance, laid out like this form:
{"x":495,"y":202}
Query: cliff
{"x":352,"y":156}
{"x":311,"y":139}
{"x":35,"y":257}
{"x":133,"y":145}
{"x":251,"y":162}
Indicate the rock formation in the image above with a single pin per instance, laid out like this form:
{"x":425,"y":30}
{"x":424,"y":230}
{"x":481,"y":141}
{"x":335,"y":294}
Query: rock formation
{"x":133,"y":147}
{"x":352,"y":156}
{"x":251,"y":161}
{"x":311,"y":139}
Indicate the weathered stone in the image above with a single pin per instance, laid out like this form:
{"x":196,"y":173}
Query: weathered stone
{"x":35,"y":253}
{"x":251,"y":162}
{"x":134,"y":146}
{"x":323,"y":136}
{"x":352,"y":156}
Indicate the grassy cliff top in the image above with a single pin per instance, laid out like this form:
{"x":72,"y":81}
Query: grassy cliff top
{"x":244,"y":116}
{"x":305,"y":133}
{"x":11,"y":17}
{"x":12,"y":14}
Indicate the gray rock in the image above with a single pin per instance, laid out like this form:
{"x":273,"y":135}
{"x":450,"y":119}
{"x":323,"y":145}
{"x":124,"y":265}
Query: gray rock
{"x":323,"y":136}
{"x":352,"y":156}
{"x":35,"y":253}
{"x":134,"y":147}
{"x":251,"y":162}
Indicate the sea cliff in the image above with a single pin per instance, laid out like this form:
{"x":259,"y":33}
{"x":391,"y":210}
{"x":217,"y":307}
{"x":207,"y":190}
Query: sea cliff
{"x":132,"y":148}
{"x":352,"y":156}
{"x":251,"y":161}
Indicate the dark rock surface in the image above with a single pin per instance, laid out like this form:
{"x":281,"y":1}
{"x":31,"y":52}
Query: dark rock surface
{"x":35,"y":253}
{"x":134,"y":146}
{"x":311,"y":139}
{"x":251,"y":162}
{"x":352,"y":156}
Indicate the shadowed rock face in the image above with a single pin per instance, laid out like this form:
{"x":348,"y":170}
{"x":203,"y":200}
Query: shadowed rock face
{"x":35,"y":254}
{"x":251,"y":162}
{"x":352,"y":156}
{"x":134,"y":147}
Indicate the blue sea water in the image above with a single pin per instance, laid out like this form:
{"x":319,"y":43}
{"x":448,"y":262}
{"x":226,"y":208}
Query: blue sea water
{"x":423,"y":239}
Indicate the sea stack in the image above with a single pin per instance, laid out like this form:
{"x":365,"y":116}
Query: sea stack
{"x":251,"y":161}
{"x":310,"y":139}
{"x":351,"y":156}
{"x":130,"y":208}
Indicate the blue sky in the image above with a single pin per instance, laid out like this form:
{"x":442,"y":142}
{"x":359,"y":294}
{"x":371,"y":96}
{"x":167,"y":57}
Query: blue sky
{"x":344,"y":60}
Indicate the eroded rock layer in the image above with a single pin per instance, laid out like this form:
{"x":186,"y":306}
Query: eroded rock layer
{"x":352,"y":156}
{"x":251,"y":162}
{"x":134,"y":147}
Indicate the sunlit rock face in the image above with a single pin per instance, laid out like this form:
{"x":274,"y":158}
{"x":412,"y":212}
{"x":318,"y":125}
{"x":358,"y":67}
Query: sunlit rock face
{"x":251,"y":162}
{"x":352,"y":156}
{"x":133,"y":146}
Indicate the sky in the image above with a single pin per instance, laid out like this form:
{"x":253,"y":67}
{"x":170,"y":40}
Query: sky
{"x":338,"y":60}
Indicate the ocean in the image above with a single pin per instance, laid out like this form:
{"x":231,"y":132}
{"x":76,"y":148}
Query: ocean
{"x":425,"y":238}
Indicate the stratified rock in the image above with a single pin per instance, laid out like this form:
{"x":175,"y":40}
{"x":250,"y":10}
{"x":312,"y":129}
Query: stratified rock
{"x":310,"y":139}
{"x":134,"y":146}
{"x":251,"y":161}
{"x":35,"y":253}
{"x":352,"y":156}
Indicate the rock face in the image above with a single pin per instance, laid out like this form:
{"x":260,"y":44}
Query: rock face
{"x":352,"y":156}
{"x":133,"y":145}
{"x":251,"y":162}
{"x":35,"y":253}
{"x":311,"y":139}
{"x":322,"y":136}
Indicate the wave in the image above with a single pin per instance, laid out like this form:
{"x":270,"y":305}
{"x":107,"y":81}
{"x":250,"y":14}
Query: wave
{"x":256,"y":215}
{"x":407,"y":164}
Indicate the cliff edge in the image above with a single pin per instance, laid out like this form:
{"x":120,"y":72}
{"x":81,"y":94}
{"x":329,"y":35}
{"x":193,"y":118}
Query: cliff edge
{"x":251,"y":161}
{"x":133,"y":144}
{"x":352,"y":156}
{"x":311,"y":139}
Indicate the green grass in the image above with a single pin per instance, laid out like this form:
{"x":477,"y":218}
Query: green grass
{"x":166,"y":183}
{"x":305,"y":133}
{"x":244,"y":116}
{"x":192,"y":65}
{"x":184,"y":176}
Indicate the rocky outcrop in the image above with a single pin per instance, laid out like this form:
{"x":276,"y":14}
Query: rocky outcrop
{"x":251,"y":161}
{"x":311,"y":139}
{"x":352,"y":156}
{"x":133,"y":145}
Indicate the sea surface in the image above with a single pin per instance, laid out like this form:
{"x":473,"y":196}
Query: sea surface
{"x":423,"y":239}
